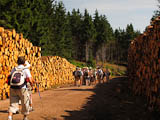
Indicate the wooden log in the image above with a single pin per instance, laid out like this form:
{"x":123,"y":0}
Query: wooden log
{"x":144,"y":63}
{"x":48,"y":71}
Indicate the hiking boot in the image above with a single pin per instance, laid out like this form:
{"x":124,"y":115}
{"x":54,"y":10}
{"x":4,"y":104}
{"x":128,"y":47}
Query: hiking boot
{"x":31,"y":109}
{"x":25,"y":118}
{"x":9,"y":118}
{"x":18,"y":112}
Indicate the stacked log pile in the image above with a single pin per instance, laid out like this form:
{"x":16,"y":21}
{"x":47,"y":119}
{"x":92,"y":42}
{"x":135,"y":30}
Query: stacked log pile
{"x":144,"y":64}
{"x":48,"y":71}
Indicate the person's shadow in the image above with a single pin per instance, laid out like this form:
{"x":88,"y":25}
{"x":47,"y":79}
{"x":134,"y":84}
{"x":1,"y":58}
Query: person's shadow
{"x":3,"y":111}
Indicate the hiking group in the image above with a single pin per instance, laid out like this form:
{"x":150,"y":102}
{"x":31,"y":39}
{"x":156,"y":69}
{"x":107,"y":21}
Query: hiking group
{"x":89,"y":76}
{"x":20,"y":81}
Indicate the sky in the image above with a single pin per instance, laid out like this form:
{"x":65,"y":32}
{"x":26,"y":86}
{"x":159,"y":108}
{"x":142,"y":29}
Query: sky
{"x":119,"y":13}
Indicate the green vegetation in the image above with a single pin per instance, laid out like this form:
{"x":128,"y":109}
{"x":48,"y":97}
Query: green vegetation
{"x":83,"y":64}
{"x":72,"y":35}
{"x":116,"y":70}
{"x":156,"y":12}
{"x":91,"y":63}
{"x":78,"y":63}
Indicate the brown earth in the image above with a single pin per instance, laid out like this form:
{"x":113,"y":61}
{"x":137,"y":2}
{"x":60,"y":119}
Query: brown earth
{"x":109,"y":101}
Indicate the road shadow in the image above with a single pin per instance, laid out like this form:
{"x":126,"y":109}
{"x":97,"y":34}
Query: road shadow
{"x":113,"y":101}
{"x":81,"y":89}
{"x":76,"y":89}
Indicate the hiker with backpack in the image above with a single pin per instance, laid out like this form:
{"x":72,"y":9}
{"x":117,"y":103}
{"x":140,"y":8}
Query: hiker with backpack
{"x":29,"y":87}
{"x":78,"y":77}
{"x":18,"y":80}
{"x":107,"y":74}
{"x":99,"y":75}
{"x":104,"y":75}
{"x":86,"y":76}
{"x":94,"y":76}
{"x":74,"y":74}
{"x":75,"y":71}
{"x":80,"y":74}
{"x":91,"y":76}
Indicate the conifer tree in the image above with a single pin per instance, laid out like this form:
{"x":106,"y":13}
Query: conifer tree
{"x":47,"y":24}
{"x":88,"y":35}
{"x":75,"y":25}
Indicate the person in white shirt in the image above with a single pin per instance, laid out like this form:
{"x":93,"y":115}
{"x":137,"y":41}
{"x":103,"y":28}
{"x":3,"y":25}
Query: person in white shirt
{"x":99,"y":75}
{"x":18,"y":91}
{"x":78,"y":77}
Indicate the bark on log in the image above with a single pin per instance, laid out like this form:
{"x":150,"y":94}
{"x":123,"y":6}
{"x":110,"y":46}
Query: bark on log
{"x":144,"y":64}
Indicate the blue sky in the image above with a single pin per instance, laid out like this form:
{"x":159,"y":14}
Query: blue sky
{"x":118,"y":12}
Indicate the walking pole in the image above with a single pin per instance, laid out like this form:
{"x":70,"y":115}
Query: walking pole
{"x":38,"y":90}
{"x":40,"y":96}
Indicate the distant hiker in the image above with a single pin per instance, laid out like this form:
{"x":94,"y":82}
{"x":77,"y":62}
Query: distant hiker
{"x":75,"y":71}
{"x":99,"y":75}
{"x":83,"y":78}
{"x":80,"y":74}
{"x":78,"y":77}
{"x":107,"y":74}
{"x":86,"y":76}
{"x":91,"y":75}
{"x":18,"y":91}
{"x":94,"y":76}
{"x":75,"y":75}
{"x":104,"y":75}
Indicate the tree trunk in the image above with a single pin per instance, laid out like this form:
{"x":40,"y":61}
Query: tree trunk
{"x":87,"y":52}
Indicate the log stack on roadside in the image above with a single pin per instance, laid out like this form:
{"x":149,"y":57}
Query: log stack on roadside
{"x":144,"y":64}
{"x":48,"y":71}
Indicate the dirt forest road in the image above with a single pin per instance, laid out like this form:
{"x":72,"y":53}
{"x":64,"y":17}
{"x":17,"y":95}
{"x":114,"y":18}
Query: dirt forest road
{"x":109,"y":101}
